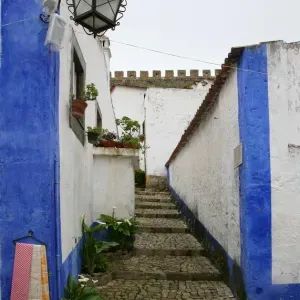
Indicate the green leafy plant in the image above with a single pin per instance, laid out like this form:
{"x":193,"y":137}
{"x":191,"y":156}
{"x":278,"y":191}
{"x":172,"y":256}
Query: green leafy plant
{"x":131,"y":131}
{"x":95,"y":130}
{"x":91,"y":92}
{"x":122,"y":231}
{"x":93,"y":252}
{"x":80,"y":291}
{"x":109,"y":136}
{"x":140,"y":178}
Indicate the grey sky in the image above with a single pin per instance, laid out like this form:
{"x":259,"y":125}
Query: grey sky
{"x":204,"y":30}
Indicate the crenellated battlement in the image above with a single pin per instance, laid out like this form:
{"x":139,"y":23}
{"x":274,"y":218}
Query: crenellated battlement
{"x":168,"y":74}
{"x":169,"y":80}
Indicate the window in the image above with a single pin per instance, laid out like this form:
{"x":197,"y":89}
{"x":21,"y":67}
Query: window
{"x":99,"y":118}
{"x":78,"y":72}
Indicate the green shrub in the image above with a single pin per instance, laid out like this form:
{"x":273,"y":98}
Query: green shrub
{"x":140,"y":179}
{"x":121,"y":231}
{"x":79,"y":291}
{"x":93,"y":252}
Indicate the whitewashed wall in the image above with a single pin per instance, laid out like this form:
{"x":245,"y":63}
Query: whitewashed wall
{"x":113,"y":182}
{"x":130,"y":102}
{"x":203,"y":173}
{"x":284,"y":111}
{"x":168,"y":112}
{"x":76,"y":161}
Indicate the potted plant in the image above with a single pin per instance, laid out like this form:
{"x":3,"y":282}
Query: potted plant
{"x":93,"y":134}
{"x":108,"y":140}
{"x":79,"y":105}
{"x":131,"y":137}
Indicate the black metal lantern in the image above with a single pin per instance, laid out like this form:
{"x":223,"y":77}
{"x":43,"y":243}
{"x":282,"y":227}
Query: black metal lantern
{"x":97,"y":16}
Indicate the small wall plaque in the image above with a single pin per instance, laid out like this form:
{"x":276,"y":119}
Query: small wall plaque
{"x":238,"y":156}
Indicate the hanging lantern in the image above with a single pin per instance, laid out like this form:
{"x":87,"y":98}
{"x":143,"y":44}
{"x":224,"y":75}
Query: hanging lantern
{"x":97,"y":16}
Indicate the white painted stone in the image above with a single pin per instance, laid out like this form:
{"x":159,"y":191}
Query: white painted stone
{"x":284,"y":111}
{"x":168,"y":113}
{"x":203,"y":173}
{"x":113,"y":182}
{"x":76,"y":161}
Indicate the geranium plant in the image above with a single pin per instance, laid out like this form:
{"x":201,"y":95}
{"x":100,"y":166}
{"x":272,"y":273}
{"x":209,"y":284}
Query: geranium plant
{"x":131,"y":135}
{"x":79,"y":105}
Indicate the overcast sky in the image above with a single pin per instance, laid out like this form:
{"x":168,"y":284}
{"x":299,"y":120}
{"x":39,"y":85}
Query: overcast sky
{"x":205,"y":30}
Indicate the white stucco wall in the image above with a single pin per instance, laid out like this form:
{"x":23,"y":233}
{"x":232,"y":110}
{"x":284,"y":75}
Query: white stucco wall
{"x":76,"y":160}
{"x":130,"y":102}
{"x":168,"y":112}
{"x":203,"y":173}
{"x":284,"y":111}
{"x":113,"y":182}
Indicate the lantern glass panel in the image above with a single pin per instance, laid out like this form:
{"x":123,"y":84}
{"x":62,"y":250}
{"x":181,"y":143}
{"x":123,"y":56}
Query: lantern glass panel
{"x":89,"y":21}
{"x":83,"y":6}
{"x":108,"y":8}
{"x":99,"y":24}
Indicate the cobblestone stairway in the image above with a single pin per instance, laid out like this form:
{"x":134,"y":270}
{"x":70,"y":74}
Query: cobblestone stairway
{"x":168,"y":261}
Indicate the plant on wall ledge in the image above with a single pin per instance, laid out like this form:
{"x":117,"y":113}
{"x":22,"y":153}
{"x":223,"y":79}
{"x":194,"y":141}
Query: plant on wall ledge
{"x":93,"y":134}
{"x":79,"y":105}
{"x":80,"y":291}
{"x":131,"y":133}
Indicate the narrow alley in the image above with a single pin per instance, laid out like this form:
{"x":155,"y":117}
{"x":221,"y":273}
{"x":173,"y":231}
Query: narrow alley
{"x":168,"y":262}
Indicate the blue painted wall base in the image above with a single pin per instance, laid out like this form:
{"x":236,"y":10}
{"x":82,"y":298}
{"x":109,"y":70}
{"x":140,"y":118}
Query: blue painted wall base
{"x":232,"y":271}
{"x":29,"y":77}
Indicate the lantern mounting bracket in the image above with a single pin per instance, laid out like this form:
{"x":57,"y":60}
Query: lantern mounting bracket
{"x":45,"y":18}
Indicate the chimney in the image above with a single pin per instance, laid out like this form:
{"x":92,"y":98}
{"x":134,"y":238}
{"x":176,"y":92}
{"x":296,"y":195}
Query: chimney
{"x":105,"y":45}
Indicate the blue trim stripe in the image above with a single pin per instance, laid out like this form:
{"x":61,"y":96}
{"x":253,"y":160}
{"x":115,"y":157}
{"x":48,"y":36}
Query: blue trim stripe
{"x":255,"y":175}
{"x":255,"y":180}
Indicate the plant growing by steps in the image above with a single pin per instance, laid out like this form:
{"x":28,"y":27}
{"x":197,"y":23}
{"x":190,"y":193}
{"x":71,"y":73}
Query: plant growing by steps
{"x":140,"y":179}
{"x":94,"y":251}
{"x":80,"y":291}
{"x":122,"y":231}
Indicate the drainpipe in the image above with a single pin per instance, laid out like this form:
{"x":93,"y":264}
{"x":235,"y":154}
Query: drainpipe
{"x":57,"y":227}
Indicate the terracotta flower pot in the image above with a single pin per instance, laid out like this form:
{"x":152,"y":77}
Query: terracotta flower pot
{"x":131,"y":146}
{"x":78,"y":108}
{"x":93,"y":137}
{"x":120,"y":145}
{"x":108,"y":144}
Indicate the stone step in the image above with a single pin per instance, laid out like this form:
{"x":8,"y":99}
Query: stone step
{"x":162,"y":225}
{"x":163,"y":244}
{"x":156,"y":213}
{"x":155,"y":205}
{"x":165,"y":289}
{"x":166,"y":268}
{"x":153,"y":199}
{"x":151,"y":192}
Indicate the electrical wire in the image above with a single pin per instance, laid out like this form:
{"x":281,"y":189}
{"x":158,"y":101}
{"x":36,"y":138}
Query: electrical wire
{"x":155,"y":51}
{"x":20,"y":21}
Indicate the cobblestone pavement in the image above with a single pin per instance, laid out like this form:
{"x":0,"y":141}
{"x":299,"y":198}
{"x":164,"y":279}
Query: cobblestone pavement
{"x":168,"y":261}
{"x":161,"y":222}
{"x":158,"y":198}
{"x":163,"y":289}
{"x":167,"y":241}
{"x":168,"y":264}
{"x":157,"y":213}
{"x":161,"y":205}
